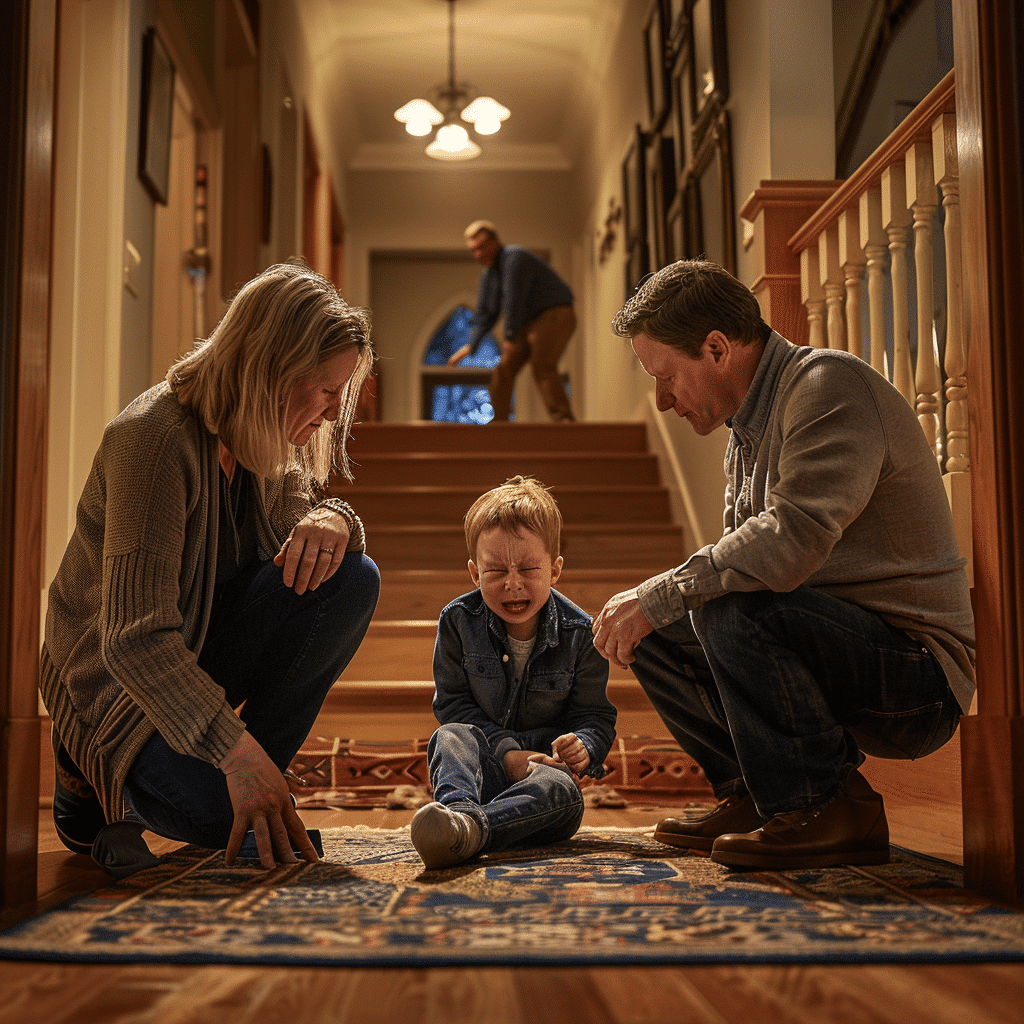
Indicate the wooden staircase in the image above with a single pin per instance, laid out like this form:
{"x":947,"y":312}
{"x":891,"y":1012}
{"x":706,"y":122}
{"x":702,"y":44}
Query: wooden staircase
{"x":414,"y":483}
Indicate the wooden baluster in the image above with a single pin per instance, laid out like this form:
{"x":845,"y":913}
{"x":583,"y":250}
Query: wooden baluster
{"x":851,"y":256}
{"x":876,"y":247}
{"x":831,"y":276}
{"x":922,"y":199}
{"x":813,"y":296}
{"x":947,"y":177}
{"x":896,"y":218}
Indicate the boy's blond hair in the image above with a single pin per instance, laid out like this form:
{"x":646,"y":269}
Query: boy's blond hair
{"x":520,"y":503}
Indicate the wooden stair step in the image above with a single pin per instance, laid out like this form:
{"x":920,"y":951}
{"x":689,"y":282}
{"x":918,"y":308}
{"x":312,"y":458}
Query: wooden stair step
{"x":402,"y":649}
{"x":401,"y":709}
{"x":485,"y":470}
{"x":578,"y":503}
{"x":422,"y":593}
{"x":382,"y":437}
{"x":588,"y":545}
{"x":370,"y":696}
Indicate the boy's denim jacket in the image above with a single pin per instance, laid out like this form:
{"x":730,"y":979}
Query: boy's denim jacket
{"x":562,"y":688}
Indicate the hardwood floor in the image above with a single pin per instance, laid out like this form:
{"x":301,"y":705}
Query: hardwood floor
{"x":795,"y":994}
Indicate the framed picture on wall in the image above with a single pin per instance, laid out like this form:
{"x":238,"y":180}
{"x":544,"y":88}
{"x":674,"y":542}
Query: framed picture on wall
{"x":680,"y":91}
{"x":637,"y":265}
{"x":157,"y":111}
{"x":656,"y":65}
{"x":676,"y":21}
{"x":710,"y":64}
{"x":681,"y":231}
{"x":634,"y":188}
{"x":712,"y":171}
{"x":661,"y":186}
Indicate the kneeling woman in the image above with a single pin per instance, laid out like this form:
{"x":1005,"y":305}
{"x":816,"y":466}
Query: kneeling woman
{"x":207,"y":600}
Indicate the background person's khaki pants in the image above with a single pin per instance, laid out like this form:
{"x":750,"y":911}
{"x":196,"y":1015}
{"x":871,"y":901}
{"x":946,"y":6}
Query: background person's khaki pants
{"x":541,"y":344}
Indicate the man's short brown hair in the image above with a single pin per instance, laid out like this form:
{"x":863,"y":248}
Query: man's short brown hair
{"x":681,"y":304}
{"x":480,"y":225}
{"x":521,"y":503}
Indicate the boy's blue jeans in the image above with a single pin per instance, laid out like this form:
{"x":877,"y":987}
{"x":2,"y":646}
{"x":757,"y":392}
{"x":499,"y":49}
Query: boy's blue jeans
{"x":545,"y":807}
{"x":278,"y":653}
{"x":779,"y":693}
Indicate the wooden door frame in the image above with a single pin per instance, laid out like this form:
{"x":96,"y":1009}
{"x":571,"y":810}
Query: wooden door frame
{"x":988,"y":111}
{"x":29,"y":34}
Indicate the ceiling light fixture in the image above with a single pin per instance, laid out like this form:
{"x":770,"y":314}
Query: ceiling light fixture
{"x":452,"y":141}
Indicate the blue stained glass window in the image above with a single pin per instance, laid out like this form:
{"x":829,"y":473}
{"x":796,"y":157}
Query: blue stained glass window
{"x":461,"y":403}
{"x":452,"y":335}
{"x":457,"y":403}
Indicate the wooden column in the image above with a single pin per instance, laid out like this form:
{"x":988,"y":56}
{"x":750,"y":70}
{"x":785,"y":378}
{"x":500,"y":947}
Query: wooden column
{"x":28,"y":33}
{"x":777,"y":210}
{"x":989,"y":114}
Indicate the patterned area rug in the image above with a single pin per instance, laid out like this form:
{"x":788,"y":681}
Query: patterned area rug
{"x":338,"y":773}
{"x":609,"y":896}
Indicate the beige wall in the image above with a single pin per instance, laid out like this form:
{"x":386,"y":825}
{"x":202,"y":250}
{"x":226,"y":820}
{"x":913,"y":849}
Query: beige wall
{"x":411,"y":294}
{"x":426,"y":211}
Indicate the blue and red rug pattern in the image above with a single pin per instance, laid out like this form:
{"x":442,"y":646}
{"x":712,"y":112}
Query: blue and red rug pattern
{"x":609,"y":896}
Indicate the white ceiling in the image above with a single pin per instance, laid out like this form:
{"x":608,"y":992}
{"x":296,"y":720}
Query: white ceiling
{"x":541,"y":58}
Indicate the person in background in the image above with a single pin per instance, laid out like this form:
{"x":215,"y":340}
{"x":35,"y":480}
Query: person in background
{"x":833,"y":616}
{"x":536,"y":305}
{"x":210,"y":596}
{"x":520,"y":691}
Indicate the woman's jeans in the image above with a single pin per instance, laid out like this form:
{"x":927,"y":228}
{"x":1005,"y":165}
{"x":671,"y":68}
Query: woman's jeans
{"x":276,"y":652}
{"x":779,"y":694}
{"x":545,"y":807}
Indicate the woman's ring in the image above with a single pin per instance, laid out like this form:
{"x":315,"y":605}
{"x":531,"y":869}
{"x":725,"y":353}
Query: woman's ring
{"x":328,"y":551}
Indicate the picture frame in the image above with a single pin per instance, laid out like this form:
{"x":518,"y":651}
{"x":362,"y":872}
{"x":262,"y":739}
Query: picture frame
{"x":637,"y":266}
{"x":634,"y":189}
{"x":710,"y":76}
{"x":682,"y":240}
{"x":655,"y":65}
{"x":157,"y":112}
{"x":676,"y":26}
{"x":712,"y":172}
{"x":681,"y":120}
{"x":661,"y":187}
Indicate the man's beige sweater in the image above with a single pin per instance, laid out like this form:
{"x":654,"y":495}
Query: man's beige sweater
{"x":831,"y":484}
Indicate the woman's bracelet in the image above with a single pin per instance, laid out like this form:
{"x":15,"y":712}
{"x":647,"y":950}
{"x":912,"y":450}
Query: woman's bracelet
{"x":356,"y":533}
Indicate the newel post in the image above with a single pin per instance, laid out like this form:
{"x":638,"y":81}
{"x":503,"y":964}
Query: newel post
{"x":776,"y":211}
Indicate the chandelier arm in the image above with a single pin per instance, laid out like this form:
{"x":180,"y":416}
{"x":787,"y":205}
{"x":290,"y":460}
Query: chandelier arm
{"x":451,"y":47}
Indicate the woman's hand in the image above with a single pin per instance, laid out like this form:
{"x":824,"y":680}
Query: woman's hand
{"x":314,"y":549}
{"x":262,"y":802}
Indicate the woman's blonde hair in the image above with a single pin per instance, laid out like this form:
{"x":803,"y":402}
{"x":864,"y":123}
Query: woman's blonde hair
{"x":520,"y":503}
{"x":280,"y":325}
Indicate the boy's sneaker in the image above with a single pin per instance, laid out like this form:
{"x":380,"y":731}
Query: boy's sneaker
{"x":444,"y":837}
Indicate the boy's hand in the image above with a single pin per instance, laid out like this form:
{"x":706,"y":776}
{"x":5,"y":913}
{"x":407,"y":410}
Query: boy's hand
{"x":517,"y":764}
{"x":569,"y":749}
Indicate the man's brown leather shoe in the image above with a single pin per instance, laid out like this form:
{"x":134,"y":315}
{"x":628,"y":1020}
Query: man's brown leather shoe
{"x":849,"y":829}
{"x":734,"y":814}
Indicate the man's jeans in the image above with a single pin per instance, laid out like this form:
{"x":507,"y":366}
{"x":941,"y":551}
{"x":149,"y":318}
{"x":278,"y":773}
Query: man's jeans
{"x":545,"y":807}
{"x":279,"y":653}
{"x":778,"y":694}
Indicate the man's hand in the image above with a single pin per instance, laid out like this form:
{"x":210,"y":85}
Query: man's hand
{"x":459,"y":355}
{"x":313,"y":550}
{"x":262,"y":802}
{"x":620,"y":627}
